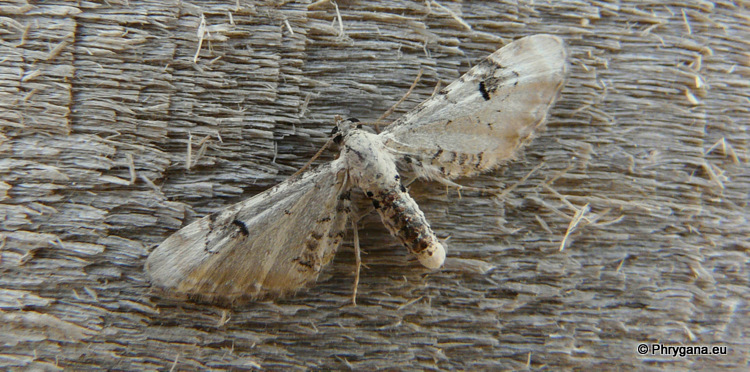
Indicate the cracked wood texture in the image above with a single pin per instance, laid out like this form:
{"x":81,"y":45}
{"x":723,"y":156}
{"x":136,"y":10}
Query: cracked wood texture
{"x":113,"y":135}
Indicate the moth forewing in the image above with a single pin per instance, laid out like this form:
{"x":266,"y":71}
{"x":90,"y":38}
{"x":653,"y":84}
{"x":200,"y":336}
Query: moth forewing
{"x":272,"y":243}
{"x":480,"y":120}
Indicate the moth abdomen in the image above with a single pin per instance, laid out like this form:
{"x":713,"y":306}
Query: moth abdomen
{"x":404,"y":220}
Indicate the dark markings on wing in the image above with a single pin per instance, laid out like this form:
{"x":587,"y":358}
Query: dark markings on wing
{"x":437,"y":153}
{"x":483,"y":91}
{"x":241,"y":225}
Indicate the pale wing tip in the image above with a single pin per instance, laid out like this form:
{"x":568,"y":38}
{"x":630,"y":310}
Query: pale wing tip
{"x":433,"y":257}
{"x":550,"y":40}
{"x":542,"y":55}
{"x":155,"y":271}
{"x":544,"y":37}
{"x":548,"y":54}
{"x":166,"y":264}
{"x":550,"y":45}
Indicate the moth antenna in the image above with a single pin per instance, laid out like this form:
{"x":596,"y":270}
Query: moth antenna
{"x":498,"y":192}
{"x":393,"y":108}
{"x":317,"y":154}
{"x":358,"y":260}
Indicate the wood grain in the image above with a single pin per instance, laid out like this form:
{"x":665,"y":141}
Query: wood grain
{"x":100,"y":102}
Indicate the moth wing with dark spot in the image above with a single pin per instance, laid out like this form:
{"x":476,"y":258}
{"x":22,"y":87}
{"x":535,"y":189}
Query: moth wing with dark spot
{"x":270,"y":244}
{"x":480,"y":120}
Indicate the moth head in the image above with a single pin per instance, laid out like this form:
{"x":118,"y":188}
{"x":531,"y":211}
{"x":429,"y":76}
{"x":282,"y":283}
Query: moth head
{"x":342,"y":129}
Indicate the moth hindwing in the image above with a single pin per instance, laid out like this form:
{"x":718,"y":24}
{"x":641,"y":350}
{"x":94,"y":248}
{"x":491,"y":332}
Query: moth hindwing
{"x":280,"y":240}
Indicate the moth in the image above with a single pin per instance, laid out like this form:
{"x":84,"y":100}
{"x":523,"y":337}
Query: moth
{"x":279,"y":240}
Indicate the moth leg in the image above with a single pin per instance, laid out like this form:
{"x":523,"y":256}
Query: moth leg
{"x":500,"y":193}
{"x":358,"y":260}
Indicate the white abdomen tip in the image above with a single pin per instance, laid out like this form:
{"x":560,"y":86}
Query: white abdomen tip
{"x":432,"y":257}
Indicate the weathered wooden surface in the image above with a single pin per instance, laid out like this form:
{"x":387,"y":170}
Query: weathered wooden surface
{"x":100,"y":101}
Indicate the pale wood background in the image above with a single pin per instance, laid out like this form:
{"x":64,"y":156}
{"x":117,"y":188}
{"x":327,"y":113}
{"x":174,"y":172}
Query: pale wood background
{"x":99,"y":101}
